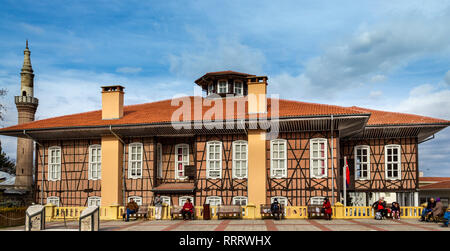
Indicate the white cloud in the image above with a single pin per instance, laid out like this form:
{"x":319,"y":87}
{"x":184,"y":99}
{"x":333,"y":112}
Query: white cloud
{"x":129,"y":69}
{"x":447,"y":78}
{"x":378,"y":78}
{"x":223,"y":54}
{"x":375,"y":94}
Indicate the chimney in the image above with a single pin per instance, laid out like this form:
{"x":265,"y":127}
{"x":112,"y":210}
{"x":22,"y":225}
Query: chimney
{"x":257,"y":90}
{"x":112,"y":102}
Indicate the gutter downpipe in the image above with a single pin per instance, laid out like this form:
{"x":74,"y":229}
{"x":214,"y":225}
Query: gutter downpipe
{"x":43,"y":163}
{"x":123,"y":165}
{"x":332,"y":160}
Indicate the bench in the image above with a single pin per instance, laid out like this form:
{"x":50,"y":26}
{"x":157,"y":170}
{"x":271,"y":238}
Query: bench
{"x":266,"y":212}
{"x":229,"y":210}
{"x":176,"y":211}
{"x":315,"y":212}
{"x":141,"y":213}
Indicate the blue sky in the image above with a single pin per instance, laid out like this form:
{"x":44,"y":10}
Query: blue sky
{"x":374,"y":54}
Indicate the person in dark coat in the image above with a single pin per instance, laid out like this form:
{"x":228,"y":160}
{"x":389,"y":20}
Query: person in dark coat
{"x":132,"y":208}
{"x":428,"y":210}
{"x":326,"y":208}
{"x":395,"y":210}
{"x":275,"y":209}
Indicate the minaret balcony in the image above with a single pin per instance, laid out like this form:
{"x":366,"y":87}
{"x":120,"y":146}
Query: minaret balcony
{"x":26,"y":100}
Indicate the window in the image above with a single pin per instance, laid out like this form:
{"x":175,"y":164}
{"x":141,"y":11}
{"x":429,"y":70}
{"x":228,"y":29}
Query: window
{"x":166,"y":200}
{"x":223,"y":86}
{"x":362,"y":162}
{"x":54,"y":200}
{"x":278,"y":168}
{"x":318,"y":158}
{"x":214,"y":200}
{"x":135,"y":161}
{"x":317,"y":200}
{"x":214,"y":160}
{"x":282,"y":200}
{"x":159,"y":160}
{"x":210,"y":89}
{"x":136,"y":199}
{"x":95,"y":162}
{"x":183,"y":200}
{"x":181,"y":160}
{"x":94,"y":201}
{"x":240,"y":200}
{"x":240,"y":164}
{"x":393,"y":161}
{"x":54,"y":165}
{"x":238,"y":88}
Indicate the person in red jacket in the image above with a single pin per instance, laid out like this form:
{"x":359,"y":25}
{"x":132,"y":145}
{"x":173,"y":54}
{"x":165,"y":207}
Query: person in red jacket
{"x":326,"y":208}
{"x":188,"y":209}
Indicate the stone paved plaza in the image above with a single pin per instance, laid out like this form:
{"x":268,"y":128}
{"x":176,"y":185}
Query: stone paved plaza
{"x":253,"y":225}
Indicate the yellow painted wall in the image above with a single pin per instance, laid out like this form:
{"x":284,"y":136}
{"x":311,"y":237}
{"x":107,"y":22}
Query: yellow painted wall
{"x":112,"y":104}
{"x":112,"y":157}
{"x":256,"y":168}
{"x":257,"y":102}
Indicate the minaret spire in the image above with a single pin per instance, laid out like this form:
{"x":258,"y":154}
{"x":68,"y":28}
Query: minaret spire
{"x":26,"y":68}
{"x":26,"y":105}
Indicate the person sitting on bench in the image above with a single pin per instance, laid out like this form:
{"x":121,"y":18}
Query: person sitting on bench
{"x":326,"y":208}
{"x":275,"y":209}
{"x":188,"y":209}
{"x":380,"y":206}
{"x":446,"y":218}
{"x":426,"y":212}
{"x":132,"y":208}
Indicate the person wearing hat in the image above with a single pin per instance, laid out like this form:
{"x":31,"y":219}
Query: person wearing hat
{"x":438,"y":209}
{"x":275,"y":209}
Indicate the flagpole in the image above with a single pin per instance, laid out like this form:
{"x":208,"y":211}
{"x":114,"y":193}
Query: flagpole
{"x":344,"y":184}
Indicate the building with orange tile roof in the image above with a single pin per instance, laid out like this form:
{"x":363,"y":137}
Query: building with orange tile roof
{"x":234,"y":145}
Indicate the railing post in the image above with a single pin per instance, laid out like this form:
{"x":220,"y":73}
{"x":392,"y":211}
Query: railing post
{"x":339,"y":210}
{"x":112,"y":212}
{"x":49,"y":211}
{"x":251,"y":209}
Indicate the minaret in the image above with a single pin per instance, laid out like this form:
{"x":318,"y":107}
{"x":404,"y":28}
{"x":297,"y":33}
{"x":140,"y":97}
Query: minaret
{"x":26,"y":107}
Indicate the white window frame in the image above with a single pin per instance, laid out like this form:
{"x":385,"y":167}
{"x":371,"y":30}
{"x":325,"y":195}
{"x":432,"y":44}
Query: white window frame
{"x":319,"y":158}
{"x":240,"y":198}
{"x":318,"y":199}
{"x":210,"y":88}
{"x":240,"y":89}
{"x":54,"y":163}
{"x":159,"y":162}
{"x":54,"y":200}
{"x":137,"y":199}
{"x":184,"y":162}
{"x":214,"y":199}
{"x":278,"y":159}
{"x":183,"y":199}
{"x":367,"y":163}
{"x":398,"y":162}
{"x":94,"y":201}
{"x":95,"y":166}
{"x":209,"y":161}
{"x":242,"y":161}
{"x":166,"y":199}
{"x":219,"y":87}
{"x":138,"y":161}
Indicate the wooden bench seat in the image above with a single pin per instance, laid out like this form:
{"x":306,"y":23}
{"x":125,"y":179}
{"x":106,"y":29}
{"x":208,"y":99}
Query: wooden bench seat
{"x":229,"y":210}
{"x":175,"y":211}
{"x":315,"y":212}
{"x":266,"y":212}
{"x":141,"y":213}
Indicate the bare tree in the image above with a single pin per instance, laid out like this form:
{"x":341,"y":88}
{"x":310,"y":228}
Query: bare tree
{"x":2,"y":107}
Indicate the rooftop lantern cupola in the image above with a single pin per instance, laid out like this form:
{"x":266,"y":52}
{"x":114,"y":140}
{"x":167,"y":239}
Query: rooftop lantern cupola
{"x":224,"y":83}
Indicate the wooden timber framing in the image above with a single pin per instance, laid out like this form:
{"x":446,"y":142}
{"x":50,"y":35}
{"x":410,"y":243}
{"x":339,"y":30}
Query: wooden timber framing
{"x":378,"y":181}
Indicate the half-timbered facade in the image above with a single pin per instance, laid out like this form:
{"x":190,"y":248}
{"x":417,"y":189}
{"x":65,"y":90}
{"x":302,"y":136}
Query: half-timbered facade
{"x":252,"y":151}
